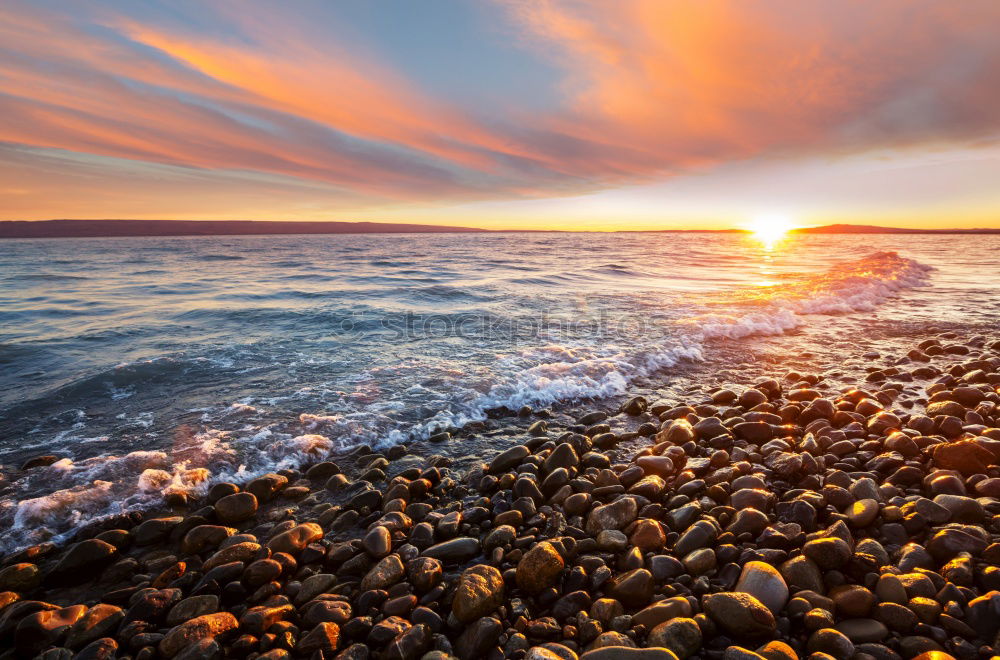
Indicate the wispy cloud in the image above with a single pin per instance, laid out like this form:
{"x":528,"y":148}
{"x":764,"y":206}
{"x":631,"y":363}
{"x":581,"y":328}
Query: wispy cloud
{"x":648,"y":89}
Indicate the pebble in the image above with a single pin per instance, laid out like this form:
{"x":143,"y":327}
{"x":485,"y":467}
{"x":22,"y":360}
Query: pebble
{"x":680,"y":635}
{"x":831,"y":642}
{"x":828,"y":553}
{"x":863,"y":630}
{"x":612,"y":516}
{"x":192,"y":631}
{"x":739,"y":614}
{"x":479,"y":592}
{"x":458,"y":549}
{"x":634,"y":588}
{"x":628,"y":653}
{"x":765,"y":583}
{"x":236,"y":508}
{"x":833,"y":522}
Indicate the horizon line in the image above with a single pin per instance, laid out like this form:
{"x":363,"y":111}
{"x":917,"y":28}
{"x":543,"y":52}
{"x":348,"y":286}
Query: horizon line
{"x":100,"y":228}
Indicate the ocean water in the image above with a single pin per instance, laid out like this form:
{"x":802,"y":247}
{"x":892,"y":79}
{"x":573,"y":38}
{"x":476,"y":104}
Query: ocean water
{"x":151,"y":365}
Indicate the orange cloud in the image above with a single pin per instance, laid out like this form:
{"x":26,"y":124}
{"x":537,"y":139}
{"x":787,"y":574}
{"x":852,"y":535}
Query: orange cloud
{"x":714,"y":80}
{"x":649,"y":88}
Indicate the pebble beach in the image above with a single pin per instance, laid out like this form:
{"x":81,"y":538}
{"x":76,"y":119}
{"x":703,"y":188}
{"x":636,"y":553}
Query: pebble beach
{"x":789,"y":518}
{"x":506,"y":330}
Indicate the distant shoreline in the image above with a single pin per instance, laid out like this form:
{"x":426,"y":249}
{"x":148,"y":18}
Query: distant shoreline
{"x":168,"y":228}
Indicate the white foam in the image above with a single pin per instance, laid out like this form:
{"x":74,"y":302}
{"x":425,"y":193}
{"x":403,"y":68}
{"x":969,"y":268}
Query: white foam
{"x":855,"y":286}
{"x":538,"y":376}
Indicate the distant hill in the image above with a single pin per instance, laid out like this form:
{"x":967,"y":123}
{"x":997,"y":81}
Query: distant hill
{"x":104,"y":228}
{"x":111,"y":228}
{"x":872,"y":229}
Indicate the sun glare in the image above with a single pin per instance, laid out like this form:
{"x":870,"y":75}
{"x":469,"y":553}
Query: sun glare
{"x":769,"y":228}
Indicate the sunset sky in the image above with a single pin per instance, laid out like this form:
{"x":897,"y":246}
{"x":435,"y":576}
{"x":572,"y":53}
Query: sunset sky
{"x":503,"y":113}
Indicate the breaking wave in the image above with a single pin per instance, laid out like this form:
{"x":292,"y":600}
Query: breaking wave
{"x":438,"y":394}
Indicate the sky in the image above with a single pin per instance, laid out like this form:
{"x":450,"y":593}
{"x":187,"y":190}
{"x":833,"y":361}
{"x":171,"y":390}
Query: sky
{"x":562,"y":114}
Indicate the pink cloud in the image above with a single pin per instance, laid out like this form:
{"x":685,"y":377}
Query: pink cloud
{"x":650,"y":88}
{"x":709,"y":81}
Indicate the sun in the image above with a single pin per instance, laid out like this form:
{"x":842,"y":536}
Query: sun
{"x":770,"y":228}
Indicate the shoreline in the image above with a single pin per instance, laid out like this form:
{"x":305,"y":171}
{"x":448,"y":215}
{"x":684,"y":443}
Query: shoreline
{"x":579,"y":537}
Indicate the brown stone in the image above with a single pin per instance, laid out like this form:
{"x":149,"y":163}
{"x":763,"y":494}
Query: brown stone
{"x":20,"y":577}
{"x":648,"y":535}
{"x":39,"y":630}
{"x":479,"y":592}
{"x":207,"y":626}
{"x":387,"y":572}
{"x":324,"y":637}
{"x":966,"y":456}
{"x":236,"y":508}
{"x":295,"y":539}
{"x":634,"y":588}
{"x":739,"y":614}
{"x":99,"y":621}
{"x":539,"y":568}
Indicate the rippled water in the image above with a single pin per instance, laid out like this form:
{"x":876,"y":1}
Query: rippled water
{"x":140,"y":361}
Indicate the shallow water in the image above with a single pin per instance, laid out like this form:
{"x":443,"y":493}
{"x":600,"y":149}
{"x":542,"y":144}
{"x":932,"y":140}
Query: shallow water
{"x":140,"y":361}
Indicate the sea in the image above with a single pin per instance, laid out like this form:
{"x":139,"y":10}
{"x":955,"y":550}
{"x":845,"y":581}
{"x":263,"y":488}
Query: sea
{"x":148,"y":366}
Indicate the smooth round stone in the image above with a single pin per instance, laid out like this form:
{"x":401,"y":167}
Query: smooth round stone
{"x":606,"y":609}
{"x":862,"y":513}
{"x":661,"y":611}
{"x":377,"y":542}
{"x":949,"y":542}
{"x":763,"y":582}
{"x":20,"y":577}
{"x":817,"y":619}
{"x":457,"y":549}
{"x":915,"y":645}
{"x":509,"y":459}
{"x":777,"y":650}
{"x":873,"y":548}
{"x":612,"y":540}
{"x":499,"y":536}
{"x":828,"y":553}
{"x":962,"y":509}
{"x":612,"y":638}
{"x":561,"y":651}
{"x":680,"y":635}
{"x":628,"y":653}
{"x":831,"y":642}
{"x":542,"y":653}
{"x":860,"y":631}
{"x":634,"y":588}
{"x":852,"y":600}
{"x":802,"y":573}
{"x":740,"y":614}
{"x":927,"y":609}
{"x":700,"y":561}
{"x":748,"y":521}
{"x":895,"y":616}
{"x":236,"y":507}
{"x":740,"y":653}
{"x":699,"y":535}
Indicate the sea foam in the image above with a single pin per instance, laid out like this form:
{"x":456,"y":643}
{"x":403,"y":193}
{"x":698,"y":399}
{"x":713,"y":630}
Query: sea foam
{"x":559,"y":372}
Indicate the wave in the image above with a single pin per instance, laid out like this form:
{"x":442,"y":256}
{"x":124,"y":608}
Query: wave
{"x":855,"y":286}
{"x":43,"y":277}
{"x":562,"y":371}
